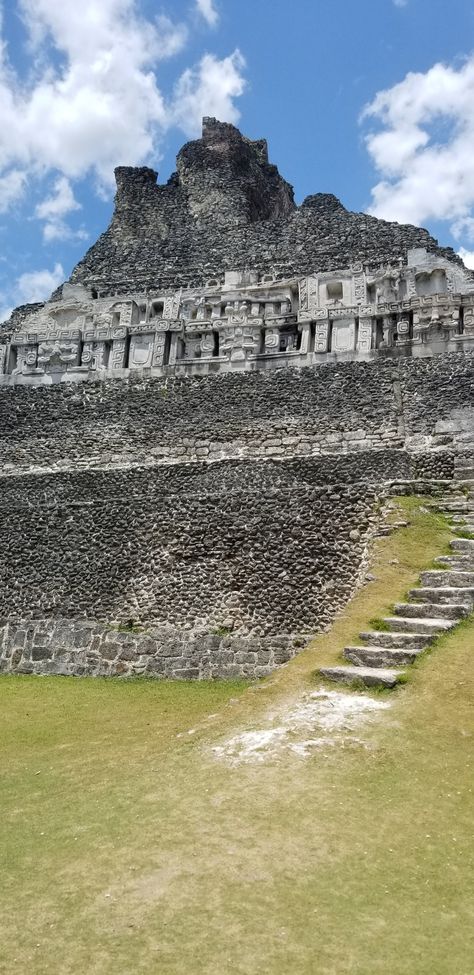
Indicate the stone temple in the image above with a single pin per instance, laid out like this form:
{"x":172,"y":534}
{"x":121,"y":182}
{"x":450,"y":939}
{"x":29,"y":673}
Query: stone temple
{"x":198,"y":426}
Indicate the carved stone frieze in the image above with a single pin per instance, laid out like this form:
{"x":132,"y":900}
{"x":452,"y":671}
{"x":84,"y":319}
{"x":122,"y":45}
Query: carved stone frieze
{"x":351,"y":311}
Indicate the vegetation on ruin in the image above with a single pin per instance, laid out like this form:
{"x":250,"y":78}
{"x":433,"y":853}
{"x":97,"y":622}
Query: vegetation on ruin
{"x":129,"y":848}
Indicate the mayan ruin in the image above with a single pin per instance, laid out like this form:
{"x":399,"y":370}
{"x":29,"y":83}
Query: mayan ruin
{"x":219,"y":270}
{"x":237,"y":483}
{"x":200,"y":422}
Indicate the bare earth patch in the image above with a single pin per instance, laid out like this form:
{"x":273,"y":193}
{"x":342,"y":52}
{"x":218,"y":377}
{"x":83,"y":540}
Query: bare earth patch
{"x":317,"y":720}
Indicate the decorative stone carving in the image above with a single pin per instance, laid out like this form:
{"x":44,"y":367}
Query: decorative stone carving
{"x":468,"y":318}
{"x":95,"y":355}
{"x":360,"y":289}
{"x":239,"y":340}
{"x":58,"y":354}
{"x":410,"y":283}
{"x":364,"y":340}
{"x":119,"y":348}
{"x":159,"y":345}
{"x":250,"y":317}
{"x":308,"y":292}
{"x":207,"y":344}
{"x":141,"y":351}
{"x":272,"y":340}
{"x":25,"y":359}
{"x":171,"y":307}
{"x":321,"y":333}
{"x":343,"y":336}
{"x":385,"y":286}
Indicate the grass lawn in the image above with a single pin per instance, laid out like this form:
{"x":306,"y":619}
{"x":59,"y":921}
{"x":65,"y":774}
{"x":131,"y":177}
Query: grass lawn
{"x":128,"y":848}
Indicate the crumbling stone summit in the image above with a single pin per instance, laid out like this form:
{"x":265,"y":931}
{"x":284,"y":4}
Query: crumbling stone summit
{"x":228,"y":208}
{"x":219,"y":270}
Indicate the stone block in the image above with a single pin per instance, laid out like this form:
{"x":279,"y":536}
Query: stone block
{"x":41,"y":653}
{"x":110,"y":650}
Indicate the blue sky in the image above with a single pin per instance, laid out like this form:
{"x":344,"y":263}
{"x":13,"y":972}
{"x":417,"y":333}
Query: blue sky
{"x":371,"y":100}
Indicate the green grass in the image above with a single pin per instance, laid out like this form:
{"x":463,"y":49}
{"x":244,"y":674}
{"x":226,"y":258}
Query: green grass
{"x":129,"y":849}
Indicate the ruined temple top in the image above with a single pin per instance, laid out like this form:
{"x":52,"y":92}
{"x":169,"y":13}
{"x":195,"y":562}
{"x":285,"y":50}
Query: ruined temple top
{"x":219,"y":269}
{"x":227,"y":207}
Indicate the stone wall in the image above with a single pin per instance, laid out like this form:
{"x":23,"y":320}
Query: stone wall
{"x":226,"y":516}
{"x":261,"y":549}
{"x":333,"y":409}
{"x":77,"y":649}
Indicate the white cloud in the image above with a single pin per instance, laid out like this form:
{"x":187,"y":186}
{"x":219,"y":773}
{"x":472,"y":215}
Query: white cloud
{"x":62,"y":202}
{"x":425,"y":147}
{"x":401,"y":3}
{"x":209,"y":89}
{"x":467,"y":257}
{"x":12,"y":188}
{"x":207,"y":9}
{"x":53,"y":210}
{"x":30,"y":287}
{"x":5,"y":310}
{"x":463,"y":227}
{"x":92,"y":99}
{"x":38,"y":285}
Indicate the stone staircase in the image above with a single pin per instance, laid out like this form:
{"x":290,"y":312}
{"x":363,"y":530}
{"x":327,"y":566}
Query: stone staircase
{"x":445,"y":596}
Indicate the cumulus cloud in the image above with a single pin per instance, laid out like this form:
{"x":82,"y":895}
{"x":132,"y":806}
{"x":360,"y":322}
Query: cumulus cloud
{"x":467,"y":257}
{"x":207,"y":10}
{"x":89,"y":100}
{"x":209,"y":89}
{"x":38,"y":285}
{"x":30,"y":287}
{"x":423,"y":148}
{"x":55,"y":208}
{"x":12,"y":188}
{"x":92,"y":100}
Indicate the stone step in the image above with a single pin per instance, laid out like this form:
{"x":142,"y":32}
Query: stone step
{"x":384,"y":638}
{"x":453,"y":611}
{"x":459,"y":562}
{"x":382,"y":656}
{"x":453,"y":507}
{"x":425,"y":626}
{"x":464,"y":545}
{"x":369,"y":676}
{"x":443,"y":594}
{"x":436,"y":577}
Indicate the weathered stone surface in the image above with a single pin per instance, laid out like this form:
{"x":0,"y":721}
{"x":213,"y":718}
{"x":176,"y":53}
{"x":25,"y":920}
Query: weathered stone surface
{"x":381,"y":656}
{"x":245,"y":416}
{"x":384,"y":638}
{"x":199,"y":446}
{"x":426,"y":626}
{"x":226,"y":202}
{"x":454,"y":611}
{"x":248,"y":547}
{"x":370,"y":677}
{"x":100,"y":651}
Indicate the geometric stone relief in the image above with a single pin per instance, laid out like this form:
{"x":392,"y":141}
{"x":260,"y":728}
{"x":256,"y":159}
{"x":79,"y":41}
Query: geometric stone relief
{"x":364,"y":338}
{"x":321,"y":334}
{"x":350,"y":311}
{"x":343,"y":336}
{"x":141,"y":351}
